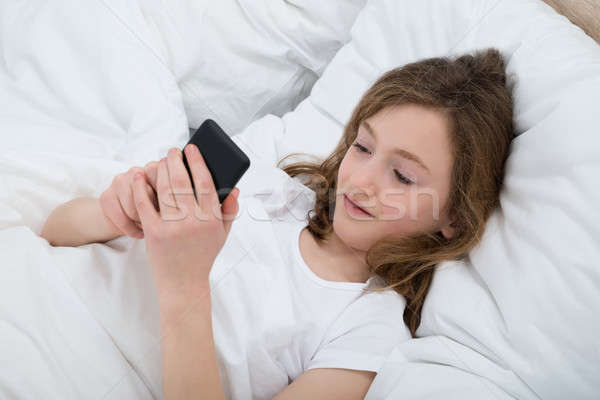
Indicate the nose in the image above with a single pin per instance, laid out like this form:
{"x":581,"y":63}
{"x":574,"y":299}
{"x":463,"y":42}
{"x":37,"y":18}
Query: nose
{"x":363,"y":183}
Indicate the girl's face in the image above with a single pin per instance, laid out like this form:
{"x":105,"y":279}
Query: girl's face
{"x":398,"y":169}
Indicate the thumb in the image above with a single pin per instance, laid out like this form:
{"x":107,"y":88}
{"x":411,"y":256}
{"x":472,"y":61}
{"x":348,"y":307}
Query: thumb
{"x":229,"y":209}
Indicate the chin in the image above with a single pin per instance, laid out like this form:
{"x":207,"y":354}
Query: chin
{"x":351,"y":234}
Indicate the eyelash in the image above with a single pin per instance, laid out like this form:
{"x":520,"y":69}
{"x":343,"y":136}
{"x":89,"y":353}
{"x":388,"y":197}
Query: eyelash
{"x":401,"y":177}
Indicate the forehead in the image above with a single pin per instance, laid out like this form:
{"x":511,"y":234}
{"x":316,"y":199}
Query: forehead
{"x":416,"y":129}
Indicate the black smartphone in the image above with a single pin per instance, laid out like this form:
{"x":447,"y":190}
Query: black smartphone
{"x":226,"y":162}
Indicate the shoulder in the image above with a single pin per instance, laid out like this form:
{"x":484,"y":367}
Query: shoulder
{"x":375,"y":305}
{"x":372,"y":323}
{"x":364,"y":334}
{"x":378,"y":314}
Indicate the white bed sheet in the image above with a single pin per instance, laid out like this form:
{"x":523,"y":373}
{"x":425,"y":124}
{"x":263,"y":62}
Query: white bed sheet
{"x":80,"y":101}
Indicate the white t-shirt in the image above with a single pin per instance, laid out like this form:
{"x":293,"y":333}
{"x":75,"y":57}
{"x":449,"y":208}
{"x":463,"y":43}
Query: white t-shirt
{"x":273,"y":317}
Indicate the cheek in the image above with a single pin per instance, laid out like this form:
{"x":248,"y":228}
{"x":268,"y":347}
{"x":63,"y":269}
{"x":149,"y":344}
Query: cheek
{"x":393,"y":210}
{"x":407,"y":210}
{"x":395,"y":204}
{"x":343,"y":170}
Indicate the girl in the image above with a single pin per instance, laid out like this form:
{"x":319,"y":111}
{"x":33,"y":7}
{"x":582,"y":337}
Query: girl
{"x":310,"y":307}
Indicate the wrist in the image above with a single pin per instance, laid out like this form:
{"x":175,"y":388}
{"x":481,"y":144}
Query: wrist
{"x":175,"y":307}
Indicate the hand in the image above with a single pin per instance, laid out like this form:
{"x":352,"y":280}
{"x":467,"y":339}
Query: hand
{"x":184,"y":238}
{"x":117,"y":201}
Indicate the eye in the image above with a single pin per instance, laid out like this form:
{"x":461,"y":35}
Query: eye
{"x":402,"y":178}
{"x":360,"y":147}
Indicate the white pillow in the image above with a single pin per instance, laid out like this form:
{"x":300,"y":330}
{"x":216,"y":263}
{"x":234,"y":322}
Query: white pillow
{"x":236,"y":61}
{"x":520,"y":318}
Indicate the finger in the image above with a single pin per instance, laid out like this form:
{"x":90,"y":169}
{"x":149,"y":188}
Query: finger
{"x":126,"y":195}
{"x":118,"y":217}
{"x":208,"y":199}
{"x":230,"y":208}
{"x":152,"y":196}
{"x":148,"y":215}
{"x":150,"y":170}
{"x":180,"y":182}
{"x":166,"y":200}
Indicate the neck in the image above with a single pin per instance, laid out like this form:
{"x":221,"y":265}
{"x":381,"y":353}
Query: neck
{"x":344,"y":260}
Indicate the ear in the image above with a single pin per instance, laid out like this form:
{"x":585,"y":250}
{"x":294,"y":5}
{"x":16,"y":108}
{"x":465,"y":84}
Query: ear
{"x":448,"y":230}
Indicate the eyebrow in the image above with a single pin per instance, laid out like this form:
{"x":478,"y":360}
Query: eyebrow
{"x":403,"y":153}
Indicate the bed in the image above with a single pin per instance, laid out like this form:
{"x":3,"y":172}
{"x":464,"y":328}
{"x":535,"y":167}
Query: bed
{"x":91,"y":89}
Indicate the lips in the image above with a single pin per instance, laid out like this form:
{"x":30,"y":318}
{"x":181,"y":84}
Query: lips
{"x":352,"y":203}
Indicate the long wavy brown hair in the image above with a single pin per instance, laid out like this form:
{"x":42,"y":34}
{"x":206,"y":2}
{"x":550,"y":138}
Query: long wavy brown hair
{"x":473,"y":93}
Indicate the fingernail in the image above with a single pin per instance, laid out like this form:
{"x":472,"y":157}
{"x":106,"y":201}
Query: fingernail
{"x":138,"y":175}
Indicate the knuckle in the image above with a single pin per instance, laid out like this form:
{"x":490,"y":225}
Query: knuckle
{"x":149,"y":190}
{"x":134,"y":170}
{"x":151,"y":165}
{"x":123,"y":189}
{"x":139,"y":204}
{"x":120,"y":178}
{"x":130,"y":210}
{"x":104,"y":197}
{"x":106,"y":201}
{"x":164,"y":193}
{"x":131,"y":216}
{"x":180,"y":181}
{"x":204,"y":183}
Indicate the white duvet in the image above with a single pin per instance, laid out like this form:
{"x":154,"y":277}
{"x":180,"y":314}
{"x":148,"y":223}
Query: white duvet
{"x":80,"y":101}
{"x":87,"y":90}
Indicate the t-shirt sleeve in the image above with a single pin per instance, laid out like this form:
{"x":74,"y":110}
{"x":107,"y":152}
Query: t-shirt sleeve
{"x":365,"y":334}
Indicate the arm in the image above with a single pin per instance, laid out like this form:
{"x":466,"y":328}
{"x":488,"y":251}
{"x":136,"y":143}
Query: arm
{"x":182,"y":245}
{"x":78,"y":222}
{"x":329,"y":383}
{"x":190,"y":368}
{"x":181,"y":252}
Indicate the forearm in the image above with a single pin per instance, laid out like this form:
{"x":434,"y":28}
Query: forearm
{"x":78,"y":222}
{"x":190,"y":369}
